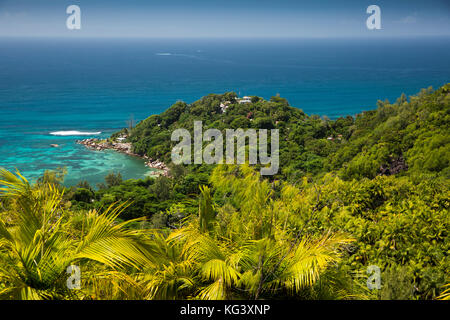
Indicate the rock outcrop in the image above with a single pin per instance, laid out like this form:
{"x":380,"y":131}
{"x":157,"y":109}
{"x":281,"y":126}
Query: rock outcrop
{"x":123,"y":147}
{"x":395,"y":165}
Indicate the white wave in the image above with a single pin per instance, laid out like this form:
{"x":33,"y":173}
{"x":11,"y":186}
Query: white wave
{"x":164,"y":54}
{"x":73,"y":133}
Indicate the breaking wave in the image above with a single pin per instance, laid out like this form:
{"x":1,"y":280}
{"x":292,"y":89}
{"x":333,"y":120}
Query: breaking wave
{"x":73,"y":133}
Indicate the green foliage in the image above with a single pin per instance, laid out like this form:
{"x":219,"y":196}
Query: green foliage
{"x":113,"y":179}
{"x":83,"y":195}
{"x":146,"y":197}
{"x":216,"y":257}
{"x":401,"y":225}
{"x":352,"y":193}
{"x":416,"y":129}
{"x":55,"y":177}
{"x":39,"y":241}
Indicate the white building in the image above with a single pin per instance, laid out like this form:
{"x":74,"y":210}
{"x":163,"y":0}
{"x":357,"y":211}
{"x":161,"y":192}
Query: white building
{"x":224,"y":106}
{"x":245,"y":100}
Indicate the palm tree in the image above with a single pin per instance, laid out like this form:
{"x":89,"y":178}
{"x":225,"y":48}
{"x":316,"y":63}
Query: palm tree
{"x":252,"y":247}
{"x":39,"y":241}
{"x":194,"y":264}
{"x":246,"y":252}
{"x":276,"y":267}
{"x":445,"y":295}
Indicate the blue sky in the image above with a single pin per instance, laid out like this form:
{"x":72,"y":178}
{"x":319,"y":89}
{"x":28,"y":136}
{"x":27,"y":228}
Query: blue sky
{"x":225,"y":18}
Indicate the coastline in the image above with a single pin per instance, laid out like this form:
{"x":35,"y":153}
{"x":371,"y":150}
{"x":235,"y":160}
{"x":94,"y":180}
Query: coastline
{"x":96,"y":144}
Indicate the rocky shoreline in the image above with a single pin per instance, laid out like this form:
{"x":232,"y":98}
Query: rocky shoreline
{"x":124,"y":147}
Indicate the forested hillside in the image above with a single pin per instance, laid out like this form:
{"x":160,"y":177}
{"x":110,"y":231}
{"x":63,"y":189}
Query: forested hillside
{"x":352,"y":194}
{"x":408,"y":135}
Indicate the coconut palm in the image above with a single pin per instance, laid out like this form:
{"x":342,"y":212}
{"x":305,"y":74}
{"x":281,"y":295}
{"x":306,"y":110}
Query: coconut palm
{"x":445,"y":295}
{"x":246,"y":248}
{"x":39,"y":241}
{"x":246,"y":252}
{"x":190,"y":259}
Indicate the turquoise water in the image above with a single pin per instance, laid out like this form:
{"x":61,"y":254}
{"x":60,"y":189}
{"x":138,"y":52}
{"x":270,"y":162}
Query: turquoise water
{"x":36,"y":154}
{"x":49,"y":85}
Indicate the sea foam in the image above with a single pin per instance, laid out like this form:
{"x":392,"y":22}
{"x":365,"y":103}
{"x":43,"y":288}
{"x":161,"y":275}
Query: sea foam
{"x":73,"y":133}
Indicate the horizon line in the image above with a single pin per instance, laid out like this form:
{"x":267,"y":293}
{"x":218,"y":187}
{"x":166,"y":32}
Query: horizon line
{"x":358,"y":37}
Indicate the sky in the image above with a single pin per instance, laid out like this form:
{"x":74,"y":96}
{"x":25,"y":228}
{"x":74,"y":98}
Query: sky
{"x":224,"y":18}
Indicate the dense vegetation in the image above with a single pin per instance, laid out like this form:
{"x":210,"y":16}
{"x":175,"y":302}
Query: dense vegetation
{"x":370,"y":190}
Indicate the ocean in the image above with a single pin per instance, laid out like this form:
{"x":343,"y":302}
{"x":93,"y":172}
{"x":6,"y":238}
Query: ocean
{"x":55,"y":91}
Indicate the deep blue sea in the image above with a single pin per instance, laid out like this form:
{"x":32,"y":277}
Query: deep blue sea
{"x":94,"y":85}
